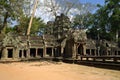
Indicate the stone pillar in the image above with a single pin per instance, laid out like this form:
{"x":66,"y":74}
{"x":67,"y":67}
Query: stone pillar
{"x":84,"y":49}
{"x":95,"y":52}
{"x":90,"y":52}
{"x":36,"y":54}
{"x":15,"y":53}
{"x":75,"y":51}
{"x":62,"y":50}
{"x":98,"y":51}
{"x":55,"y":52}
{"x":117,"y":52}
{"x":28,"y":53}
{"x":44,"y":51}
{"x":52,"y":52}
{"x":22,"y":52}
{"x":4,"y":53}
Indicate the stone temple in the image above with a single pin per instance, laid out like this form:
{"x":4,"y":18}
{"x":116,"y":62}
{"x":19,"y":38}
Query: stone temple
{"x":60,"y":41}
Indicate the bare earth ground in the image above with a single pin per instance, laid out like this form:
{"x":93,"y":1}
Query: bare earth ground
{"x":54,"y":71}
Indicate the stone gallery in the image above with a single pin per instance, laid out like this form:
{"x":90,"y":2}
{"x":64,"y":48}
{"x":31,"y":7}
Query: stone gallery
{"x":61,"y":41}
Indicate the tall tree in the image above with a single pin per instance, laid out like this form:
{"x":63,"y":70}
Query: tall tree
{"x":36,"y":28}
{"x":9,"y":10}
{"x":82,"y":21}
{"x":107,"y":19}
{"x":113,"y":12}
{"x":31,"y":19}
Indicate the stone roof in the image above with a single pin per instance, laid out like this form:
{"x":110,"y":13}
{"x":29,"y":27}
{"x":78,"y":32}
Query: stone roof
{"x":91,"y":44}
{"x":11,"y":39}
{"x":40,"y":41}
{"x":79,"y":36}
{"x":50,"y":40}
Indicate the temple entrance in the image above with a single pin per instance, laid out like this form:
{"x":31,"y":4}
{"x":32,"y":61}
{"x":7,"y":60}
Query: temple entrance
{"x":25,"y":53}
{"x":20,"y":53}
{"x":88,"y":52}
{"x":32,"y":52}
{"x":10,"y":53}
{"x":93,"y":52}
{"x":80,"y":49}
{"x":57,"y":52}
{"x":40,"y":52}
{"x":49,"y":51}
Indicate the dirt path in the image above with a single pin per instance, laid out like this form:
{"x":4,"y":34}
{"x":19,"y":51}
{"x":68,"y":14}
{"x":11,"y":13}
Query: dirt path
{"x":54,"y":71}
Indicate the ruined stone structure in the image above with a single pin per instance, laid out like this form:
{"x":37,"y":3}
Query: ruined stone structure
{"x":62,"y":41}
{"x":14,"y":47}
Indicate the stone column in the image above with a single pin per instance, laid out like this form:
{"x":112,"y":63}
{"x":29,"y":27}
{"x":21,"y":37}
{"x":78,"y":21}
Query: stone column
{"x":36,"y":54}
{"x":98,"y":51}
{"x":75,"y":51}
{"x":90,"y":51}
{"x":84,"y":49}
{"x":44,"y":51}
{"x":55,"y":52}
{"x":22,"y":52}
{"x":62,"y":51}
{"x":116,"y":52}
{"x":52,"y":52}
{"x":28,"y":53}
{"x":4,"y":53}
{"x":95,"y":52}
{"x":15,"y":53}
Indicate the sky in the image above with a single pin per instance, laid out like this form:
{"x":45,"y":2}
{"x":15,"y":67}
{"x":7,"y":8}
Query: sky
{"x":101,"y":2}
{"x":95,"y":2}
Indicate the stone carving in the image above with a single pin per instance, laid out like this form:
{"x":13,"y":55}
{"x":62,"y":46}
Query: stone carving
{"x":79,"y":35}
{"x":11,"y":39}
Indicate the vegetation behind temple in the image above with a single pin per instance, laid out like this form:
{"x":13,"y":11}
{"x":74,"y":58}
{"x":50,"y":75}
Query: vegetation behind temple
{"x":103,"y":24}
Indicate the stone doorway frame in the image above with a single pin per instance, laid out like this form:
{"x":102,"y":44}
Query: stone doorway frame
{"x":10,"y":52}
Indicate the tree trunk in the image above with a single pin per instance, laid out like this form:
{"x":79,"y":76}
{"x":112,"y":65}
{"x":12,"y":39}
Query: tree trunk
{"x":30,"y":23}
{"x":3,"y":30}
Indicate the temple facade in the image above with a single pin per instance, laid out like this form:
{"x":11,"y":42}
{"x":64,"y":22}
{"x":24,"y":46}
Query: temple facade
{"x":14,"y":47}
{"x":60,"y":40}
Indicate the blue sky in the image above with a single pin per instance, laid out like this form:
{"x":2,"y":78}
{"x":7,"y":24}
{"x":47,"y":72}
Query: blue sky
{"x":101,"y":2}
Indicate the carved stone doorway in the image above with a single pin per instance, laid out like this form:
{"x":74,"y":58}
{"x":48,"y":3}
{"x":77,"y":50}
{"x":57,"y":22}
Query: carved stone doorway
{"x":40,"y":52}
{"x":32,"y":52}
{"x":49,"y":51}
{"x":10,"y":53}
{"x":80,"y":49}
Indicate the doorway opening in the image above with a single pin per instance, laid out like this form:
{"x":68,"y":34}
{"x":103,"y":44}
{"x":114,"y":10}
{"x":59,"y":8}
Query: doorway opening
{"x":80,"y":49}
{"x":10,"y":53}
{"x":49,"y":51}
{"x":32,"y":52}
{"x":40,"y":52}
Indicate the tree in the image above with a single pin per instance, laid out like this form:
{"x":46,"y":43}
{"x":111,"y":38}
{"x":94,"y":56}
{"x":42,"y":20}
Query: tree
{"x":113,"y":13}
{"x":56,"y":7}
{"x":36,"y":29}
{"x":83,"y":15}
{"x":9,"y":10}
{"x":82,"y":21}
{"x":107,"y":19}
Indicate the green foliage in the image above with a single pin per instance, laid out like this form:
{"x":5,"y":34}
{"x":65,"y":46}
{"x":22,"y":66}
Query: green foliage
{"x":107,"y":20}
{"x":36,"y":28}
{"x":82,"y":21}
{"x":9,"y":29}
{"x":9,"y":10}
